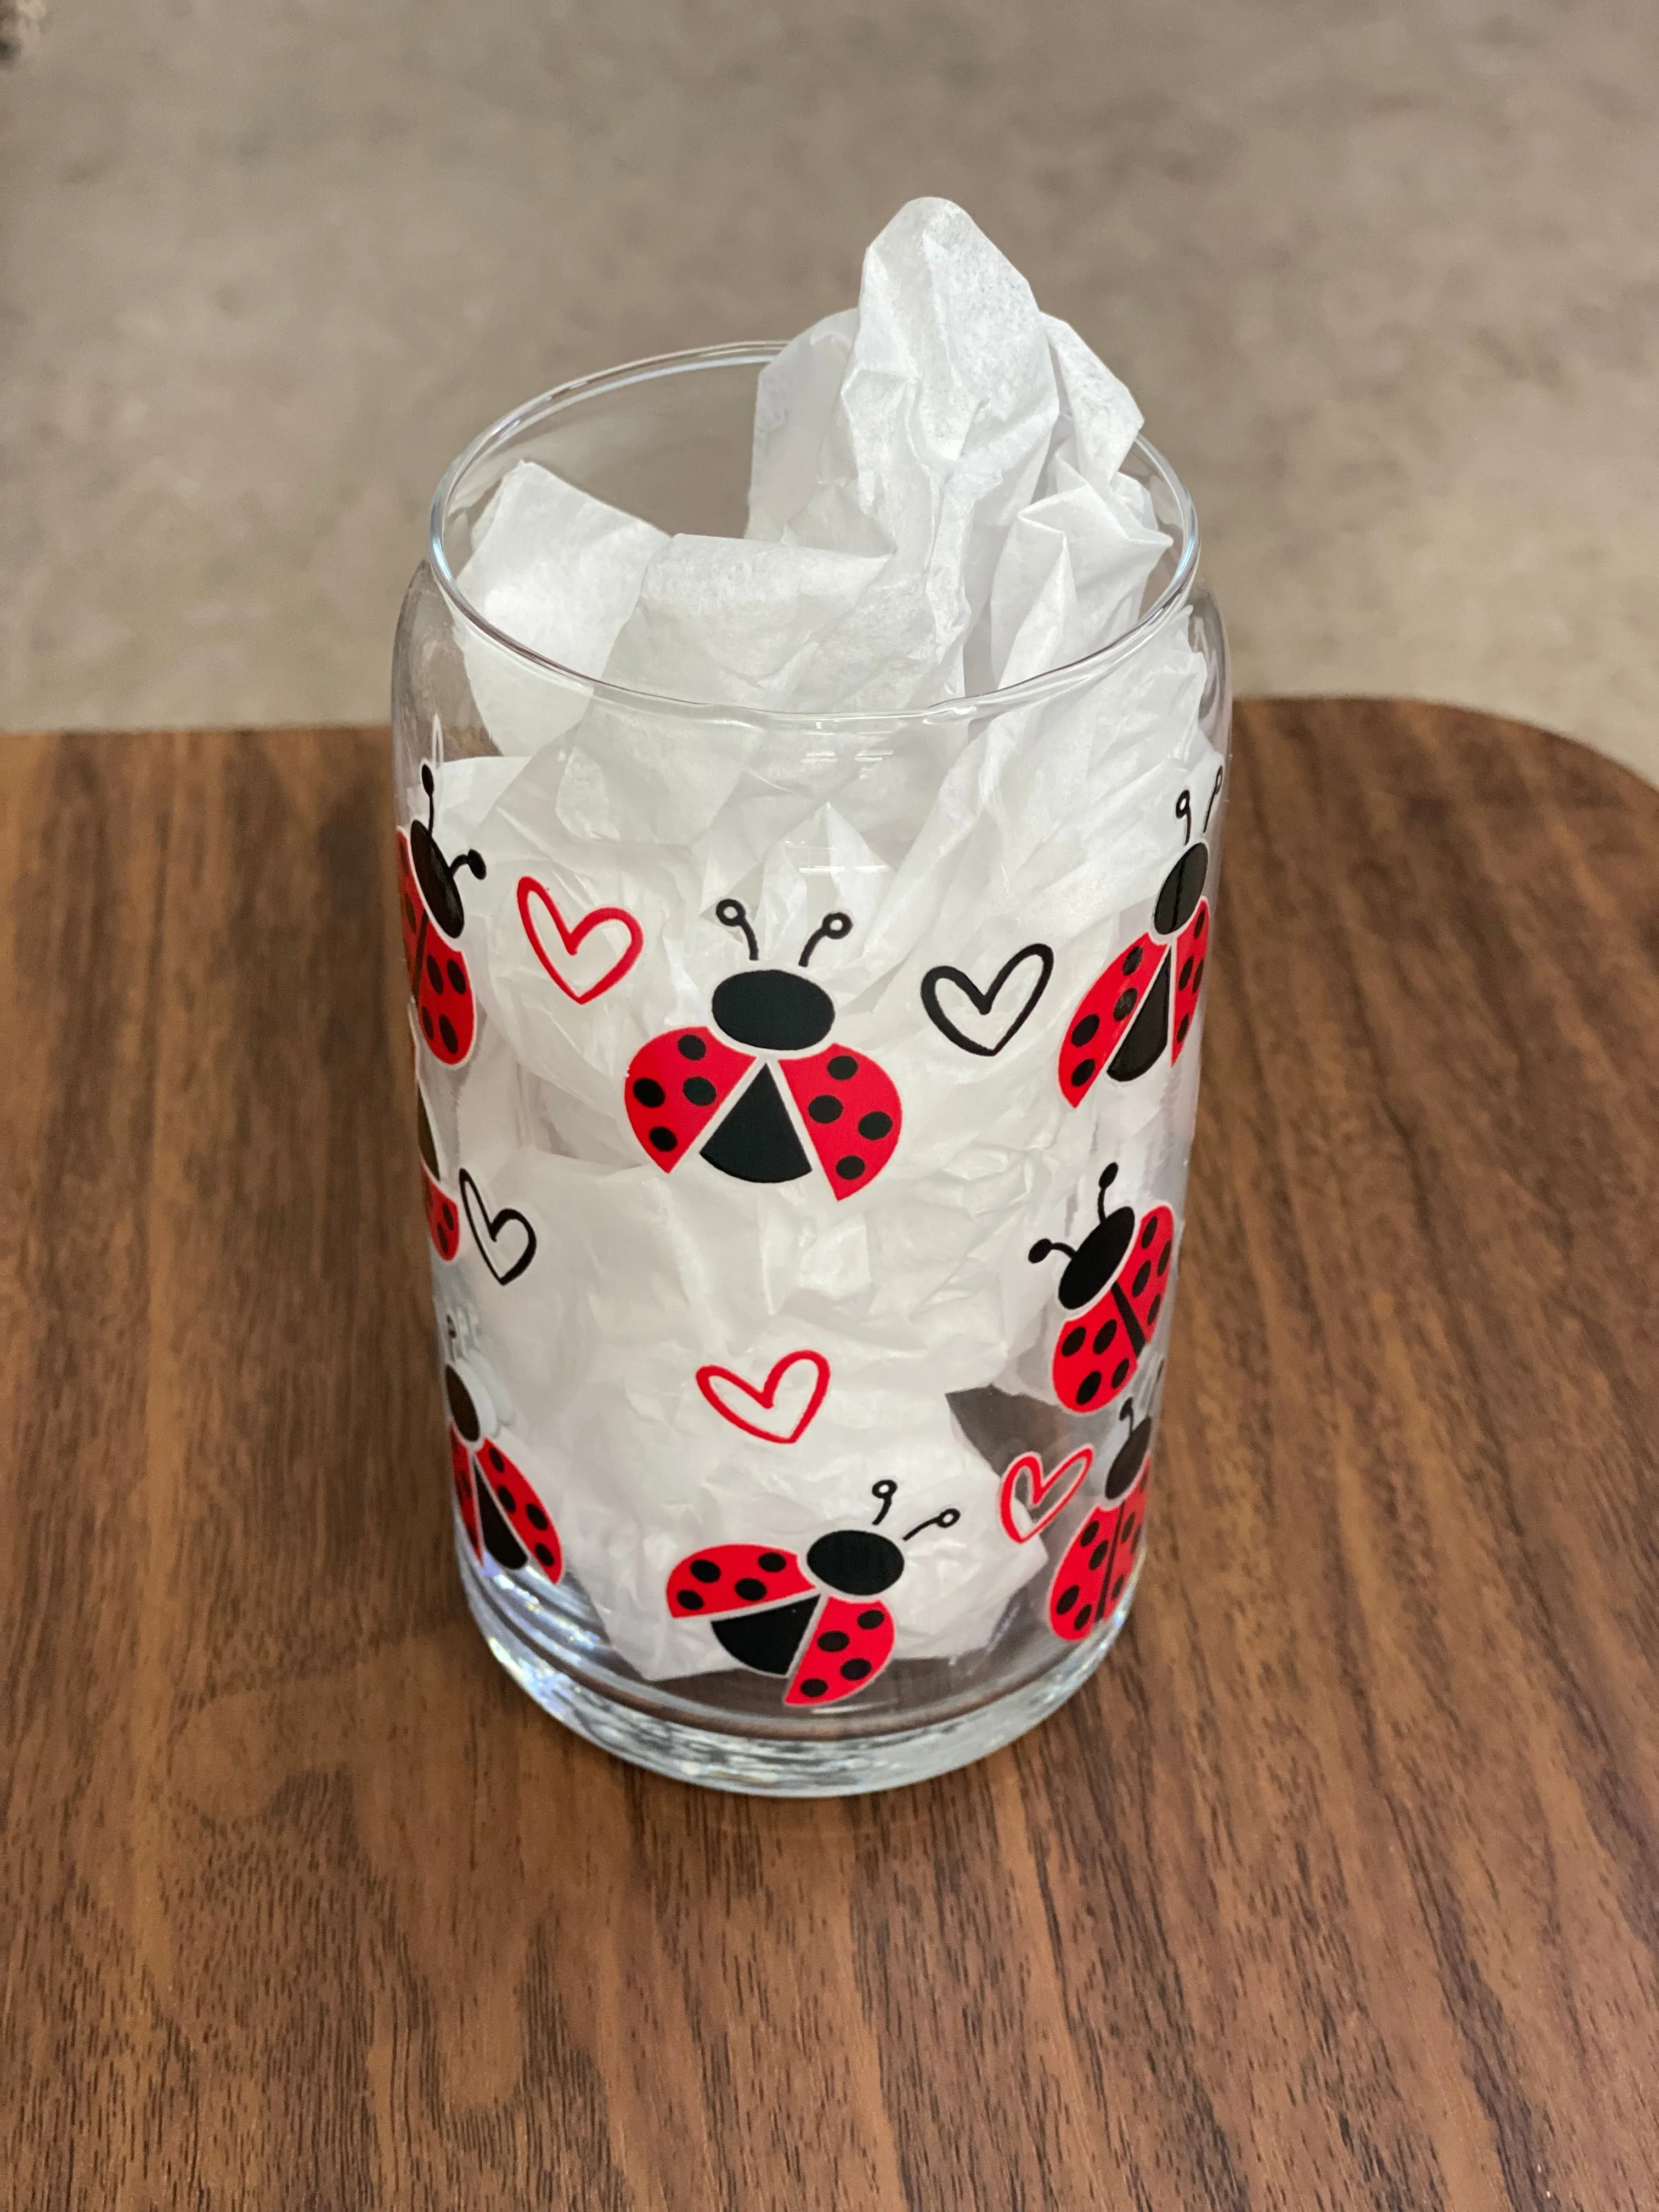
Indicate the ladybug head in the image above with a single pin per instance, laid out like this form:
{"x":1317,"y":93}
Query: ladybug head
{"x":435,"y":874}
{"x":471,"y":1408}
{"x":775,"y":1009}
{"x":1181,"y":891}
{"x":1122,"y":1475}
{"x":1097,"y":1259}
{"x":1183,"y":888}
{"x":860,"y":1562}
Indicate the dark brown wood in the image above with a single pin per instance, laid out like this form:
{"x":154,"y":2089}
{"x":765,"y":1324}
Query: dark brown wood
{"x":1340,"y":1885}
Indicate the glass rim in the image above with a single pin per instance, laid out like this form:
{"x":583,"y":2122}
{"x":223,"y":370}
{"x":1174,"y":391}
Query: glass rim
{"x":1049,"y":682}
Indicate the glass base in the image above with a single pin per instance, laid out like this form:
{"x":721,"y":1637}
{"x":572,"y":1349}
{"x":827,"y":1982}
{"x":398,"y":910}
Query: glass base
{"x":628,"y":1718}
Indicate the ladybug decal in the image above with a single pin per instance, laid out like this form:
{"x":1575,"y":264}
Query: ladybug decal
{"x":817,"y":1621}
{"x":847,"y":1105}
{"x":432,"y":917}
{"x":1116,"y":1283}
{"x":498,"y":1509}
{"x":1095,"y":1569}
{"x":1125,"y":1022}
{"x":443,"y":1219}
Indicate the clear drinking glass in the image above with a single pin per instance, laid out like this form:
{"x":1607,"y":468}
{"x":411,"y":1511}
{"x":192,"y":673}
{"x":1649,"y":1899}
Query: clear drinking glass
{"x":805,"y":1105}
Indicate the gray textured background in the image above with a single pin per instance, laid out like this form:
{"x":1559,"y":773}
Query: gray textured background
{"x":1384,"y":278}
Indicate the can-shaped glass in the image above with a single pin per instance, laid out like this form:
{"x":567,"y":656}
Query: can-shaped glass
{"x":804,"y":1103}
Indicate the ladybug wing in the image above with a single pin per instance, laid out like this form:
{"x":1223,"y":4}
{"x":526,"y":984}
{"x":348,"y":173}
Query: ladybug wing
{"x":675,"y":1084}
{"x":460,"y":1465}
{"x":1127,"y":1551}
{"x":1191,"y":957}
{"x":1095,"y":1357}
{"x":443,"y":1222}
{"x":728,"y":1578}
{"x":1142,"y":1280}
{"x":1105,"y":1013}
{"x":411,"y":907}
{"x":850,"y":1643}
{"x":444,"y":1005}
{"x":526,"y":1515}
{"x":850,"y":1105}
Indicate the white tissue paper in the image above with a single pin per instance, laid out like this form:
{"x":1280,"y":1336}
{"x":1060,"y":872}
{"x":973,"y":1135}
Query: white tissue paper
{"x":560,"y":572}
{"x":677,"y":1359}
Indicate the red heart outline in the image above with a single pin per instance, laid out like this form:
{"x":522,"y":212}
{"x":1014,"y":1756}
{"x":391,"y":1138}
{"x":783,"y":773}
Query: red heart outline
{"x":1040,"y":1488}
{"x":530,"y":889}
{"x":766,"y":1398}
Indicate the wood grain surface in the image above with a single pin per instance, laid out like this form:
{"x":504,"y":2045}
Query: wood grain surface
{"x":1338,"y":1886}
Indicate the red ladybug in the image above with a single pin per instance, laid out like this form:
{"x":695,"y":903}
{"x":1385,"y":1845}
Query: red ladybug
{"x":1095,"y":1569}
{"x":429,"y":906}
{"x":1115,"y":1282}
{"x":1123,"y":1023}
{"x":818,"y":1621}
{"x":499,"y":1508}
{"x":846,"y":1104}
{"x":443,"y":1217}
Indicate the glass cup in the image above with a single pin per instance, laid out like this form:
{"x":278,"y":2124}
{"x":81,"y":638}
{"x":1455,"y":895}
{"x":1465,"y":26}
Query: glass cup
{"x":805,"y":1104}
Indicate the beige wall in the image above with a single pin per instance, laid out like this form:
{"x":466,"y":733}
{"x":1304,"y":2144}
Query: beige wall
{"x":1385,"y":279}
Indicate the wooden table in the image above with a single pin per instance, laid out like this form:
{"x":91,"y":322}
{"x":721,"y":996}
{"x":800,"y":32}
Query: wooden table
{"x":1338,"y":1886}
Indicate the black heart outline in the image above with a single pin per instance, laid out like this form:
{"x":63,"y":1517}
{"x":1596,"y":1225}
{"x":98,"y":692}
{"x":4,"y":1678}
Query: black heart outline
{"x":985,"y":1000}
{"x":492,"y":1229}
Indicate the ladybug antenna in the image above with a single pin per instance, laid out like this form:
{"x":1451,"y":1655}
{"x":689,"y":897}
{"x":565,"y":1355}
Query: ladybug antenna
{"x":1108,"y":1176}
{"x":1045,"y":1245}
{"x":1215,"y":794}
{"x":731,"y":915}
{"x":835,"y":926}
{"x":473,"y":861}
{"x":886,"y":1490}
{"x":1184,"y":813}
{"x":1126,"y":1411}
{"x":948,"y":1519}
